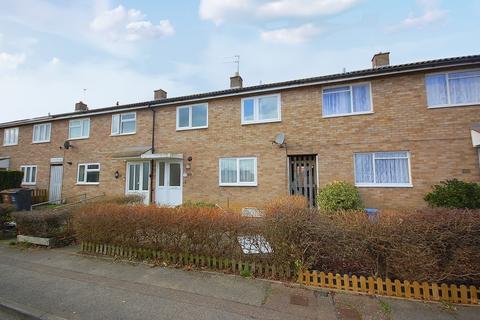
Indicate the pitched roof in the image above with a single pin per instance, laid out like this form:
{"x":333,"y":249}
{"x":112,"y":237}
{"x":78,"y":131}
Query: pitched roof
{"x":366,"y":73}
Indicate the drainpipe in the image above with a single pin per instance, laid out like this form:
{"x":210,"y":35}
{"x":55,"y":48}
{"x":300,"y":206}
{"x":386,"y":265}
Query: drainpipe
{"x":153,"y":151}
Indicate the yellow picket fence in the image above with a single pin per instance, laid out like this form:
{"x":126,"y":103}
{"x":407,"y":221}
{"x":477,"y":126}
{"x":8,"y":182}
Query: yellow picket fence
{"x":392,"y":288}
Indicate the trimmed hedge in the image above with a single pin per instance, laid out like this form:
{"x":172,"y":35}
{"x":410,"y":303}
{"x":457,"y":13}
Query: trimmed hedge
{"x":10,"y":179}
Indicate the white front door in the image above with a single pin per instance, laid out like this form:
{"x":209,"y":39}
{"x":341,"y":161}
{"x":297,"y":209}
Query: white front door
{"x":169,"y":182}
{"x":138,"y":180}
{"x":55,"y":189}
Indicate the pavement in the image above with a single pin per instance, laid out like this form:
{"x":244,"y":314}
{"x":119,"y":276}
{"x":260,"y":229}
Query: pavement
{"x":55,"y":284}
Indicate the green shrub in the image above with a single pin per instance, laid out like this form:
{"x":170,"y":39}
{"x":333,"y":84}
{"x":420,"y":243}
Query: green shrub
{"x":10,"y":179}
{"x":122,"y":199}
{"x":5,"y":210}
{"x":455,"y":194}
{"x":339,"y":195}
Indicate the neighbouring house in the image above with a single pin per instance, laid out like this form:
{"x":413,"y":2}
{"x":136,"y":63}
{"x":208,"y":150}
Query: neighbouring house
{"x":392,"y":130}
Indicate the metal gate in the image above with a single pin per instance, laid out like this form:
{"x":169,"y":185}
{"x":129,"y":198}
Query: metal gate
{"x":303,"y":176}
{"x":55,"y":190}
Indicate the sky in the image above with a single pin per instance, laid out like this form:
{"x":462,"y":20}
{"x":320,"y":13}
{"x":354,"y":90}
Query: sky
{"x":55,"y":53}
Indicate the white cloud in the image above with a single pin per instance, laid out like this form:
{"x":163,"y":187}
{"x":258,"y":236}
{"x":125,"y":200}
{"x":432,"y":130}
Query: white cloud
{"x":291,"y":35}
{"x":120,"y":24}
{"x":55,"y":61}
{"x":11,"y":61}
{"x":220,"y":11}
{"x":431,"y":13}
{"x":304,"y":8}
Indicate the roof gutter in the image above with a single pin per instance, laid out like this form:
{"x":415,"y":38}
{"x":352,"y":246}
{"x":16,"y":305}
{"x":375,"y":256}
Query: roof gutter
{"x":253,"y":91}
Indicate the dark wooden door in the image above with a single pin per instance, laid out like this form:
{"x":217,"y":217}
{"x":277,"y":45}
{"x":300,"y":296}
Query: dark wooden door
{"x":303,"y":176}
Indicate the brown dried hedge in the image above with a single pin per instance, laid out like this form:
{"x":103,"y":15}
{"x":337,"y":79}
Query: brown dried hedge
{"x":437,"y":245}
{"x":205,"y":231}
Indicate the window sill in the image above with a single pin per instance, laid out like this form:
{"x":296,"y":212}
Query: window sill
{"x":122,"y":134}
{"x":29,"y":184}
{"x":347,"y":114}
{"x":10,"y":145}
{"x":79,"y":138}
{"x":40,"y":142}
{"x":238,"y":185}
{"x":406,"y":185}
{"x":260,"y":122}
{"x":87,"y":183}
{"x":191,"y":128}
{"x":454,"y":105}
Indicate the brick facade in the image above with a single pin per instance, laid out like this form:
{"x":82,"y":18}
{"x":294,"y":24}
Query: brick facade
{"x":438,"y":140}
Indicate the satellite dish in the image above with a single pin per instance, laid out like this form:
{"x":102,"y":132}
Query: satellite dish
{"x":279,"y":138}
{"x":67,"y":145}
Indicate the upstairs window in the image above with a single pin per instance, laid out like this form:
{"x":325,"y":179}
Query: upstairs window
{"x":261,"y":109}
{"x":124,"y":123}
{"x":29,"y":174}
{"x":192,"y":117}
{"x":10,"y":136}
{"x":238,"y":172}
{"x":79,"y":129}
{"x":41,"y":132}
{"x":347,"y":100}
{"x":383,"y":169}
{"x":453,"y":88}
{"x":88,"y":173}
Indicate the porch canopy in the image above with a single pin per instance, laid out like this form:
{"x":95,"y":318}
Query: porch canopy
{"x":144,"y":153}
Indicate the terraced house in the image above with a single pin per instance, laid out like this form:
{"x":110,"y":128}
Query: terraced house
{"x":393,"y":130}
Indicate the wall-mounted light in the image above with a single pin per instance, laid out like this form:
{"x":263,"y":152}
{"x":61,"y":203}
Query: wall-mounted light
{"x":189,"y":159}
{"x":69,"y":163}
{"x":117,"y":174}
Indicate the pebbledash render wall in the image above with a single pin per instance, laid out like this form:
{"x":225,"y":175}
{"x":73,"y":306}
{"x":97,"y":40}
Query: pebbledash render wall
{"x":438,"y":140}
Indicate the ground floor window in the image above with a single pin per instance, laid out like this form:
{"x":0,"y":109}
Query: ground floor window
{"x":383,"y":169}
{"x":238,"y":172}
{"x":29,"y":174}
{"x":88,"y":173}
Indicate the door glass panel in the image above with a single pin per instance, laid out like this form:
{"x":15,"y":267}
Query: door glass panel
{"x":146,"y":173}
{"x":161,"y":174}
{"x":137,"y":177}
{"x":175,"y":174}
{"x":131,"y":173}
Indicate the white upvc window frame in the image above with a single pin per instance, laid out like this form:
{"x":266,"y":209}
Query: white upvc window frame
{"x":350,"y":85}
{"x":384,"y":185}
{"x":30,"y":182}
{"x":238,"y":183}
{"x":16,"y":131}
{"x":47,"y":126}
{"x":190,"y":119}
{"x":256,"y":108}
{"x":85,"y":173}
{"x":83,"y":135}
{"x":448,"y":105}
{"x":120,"y":121}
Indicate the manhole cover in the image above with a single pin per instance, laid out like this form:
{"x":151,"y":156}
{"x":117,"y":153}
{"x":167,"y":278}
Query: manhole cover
{"x":298,"y":300}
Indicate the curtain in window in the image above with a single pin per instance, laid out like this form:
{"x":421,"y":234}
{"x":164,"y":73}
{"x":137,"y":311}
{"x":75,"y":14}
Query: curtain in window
{"x":247,"y":170}
{"x":364,"y":168}
{"x":268,"y":108}
{"x":228,"y":170}
{"x":86,"y":128}
{"x":336,"y":101}
{"x":361,"y":98}
{"x":199,"y":116}
{"x":436,"y":89}
{"x":391,"y":167}
{"x":464,"y":87}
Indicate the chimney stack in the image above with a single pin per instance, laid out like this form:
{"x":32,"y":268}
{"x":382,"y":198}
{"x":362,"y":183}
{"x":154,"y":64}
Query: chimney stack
{"x":381,"y":59}
{"x":236,"y":81}
{"x":80,"y":106}
{"x":159,"y":94}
